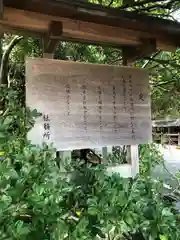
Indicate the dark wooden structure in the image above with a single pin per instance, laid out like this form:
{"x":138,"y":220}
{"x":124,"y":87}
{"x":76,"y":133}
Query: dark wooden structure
{"x":166,"y":131}
{"x":79,"y":21}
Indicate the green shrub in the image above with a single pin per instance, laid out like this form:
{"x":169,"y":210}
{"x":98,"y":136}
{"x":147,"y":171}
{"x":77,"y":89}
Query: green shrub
{"x":36,"y":203}
{"x":149,"y":157}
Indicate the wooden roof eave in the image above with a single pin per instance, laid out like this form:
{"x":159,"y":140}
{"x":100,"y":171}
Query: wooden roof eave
{"x":81,"y":10}
{"x":89,"y":23}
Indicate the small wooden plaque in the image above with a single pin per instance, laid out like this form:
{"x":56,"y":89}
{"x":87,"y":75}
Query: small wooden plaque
{"x":87,"y":105}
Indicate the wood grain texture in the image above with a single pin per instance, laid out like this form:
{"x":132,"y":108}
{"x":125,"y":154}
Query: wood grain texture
{"x":35,"y":23}
{"x":88,"y":12}
{"x":88,"y":105}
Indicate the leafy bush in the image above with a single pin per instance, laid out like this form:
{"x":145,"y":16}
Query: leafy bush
{"x":118,"y":156}
{"x":37,"y":203}
{"x":149,"y":156}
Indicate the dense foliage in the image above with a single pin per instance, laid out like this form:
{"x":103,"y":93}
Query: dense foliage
{"x":37,"y":203}
{"x":160,"y":8}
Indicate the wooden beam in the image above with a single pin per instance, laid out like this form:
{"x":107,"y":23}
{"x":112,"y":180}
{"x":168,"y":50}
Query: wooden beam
{"x":50,"y":44}
{"x":94,"y":33}
{"x":147,"y":47}
{"x":71,"y":29}
{"x":84,"y":11}
{"x":80,"y":31}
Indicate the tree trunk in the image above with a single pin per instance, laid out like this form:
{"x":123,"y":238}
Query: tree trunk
{"x":5,"y":58}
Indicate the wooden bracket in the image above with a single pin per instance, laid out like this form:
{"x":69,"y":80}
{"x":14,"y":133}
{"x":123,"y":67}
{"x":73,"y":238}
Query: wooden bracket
{"x":146,"y":48}
{"x":1,"y":8}
{"x":51,"y":39}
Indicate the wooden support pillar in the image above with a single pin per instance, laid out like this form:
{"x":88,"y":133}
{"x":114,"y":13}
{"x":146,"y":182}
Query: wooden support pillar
{"x":105,"y":154}
{"x":1,"y":8}
{"x":146,"y":48}
{"x":49,"y":47}
{"x":52,"y":39}
{"x":178,"y":139}
{"x":1,"y":31}
{"x":162,"y":139}
{"x":133,"y":159}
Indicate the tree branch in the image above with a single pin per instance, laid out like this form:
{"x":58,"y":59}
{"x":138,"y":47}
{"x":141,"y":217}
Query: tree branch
{"x":150,"y":5}
{"x":116,"y":60}
{"x":163,"y":83}
{"x":148,"y":61}
{"x":163,"y":62}
{"x":112,"y":1}
{"x":138,"y":4}
{"x":154,"y":7}
{"x":5,"y":58}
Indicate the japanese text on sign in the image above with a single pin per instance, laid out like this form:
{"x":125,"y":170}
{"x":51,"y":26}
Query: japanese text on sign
{"x":46,"y":134}
{"x":88,"y":105}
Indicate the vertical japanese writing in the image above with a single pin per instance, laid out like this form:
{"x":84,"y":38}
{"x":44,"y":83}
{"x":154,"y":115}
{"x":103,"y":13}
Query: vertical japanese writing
{"x":46,"y":134}
{"x":68,"y":97}
{"x":124,"y":91}
{"x":141,"y":97}
{"x":100,"y":106}
{"x":131,"y":110}
{"x":84,"y":91}
{"x":114,"y":109}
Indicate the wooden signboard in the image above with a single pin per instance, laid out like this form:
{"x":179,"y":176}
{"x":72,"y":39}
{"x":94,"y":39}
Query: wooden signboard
{"x":87,"y":105}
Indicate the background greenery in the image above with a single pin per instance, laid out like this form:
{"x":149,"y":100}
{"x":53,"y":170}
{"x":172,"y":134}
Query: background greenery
{"x":36,"y":202}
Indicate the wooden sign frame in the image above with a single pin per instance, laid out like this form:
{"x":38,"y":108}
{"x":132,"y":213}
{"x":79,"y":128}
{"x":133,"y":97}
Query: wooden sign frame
{"x":103,"y":105}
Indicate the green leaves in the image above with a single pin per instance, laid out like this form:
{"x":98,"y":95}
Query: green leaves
{"x":149,"y":158}
{"x":93,"y":211}
{"x":37,"y":203}
{"x":163,"y":237}
{"x":21,"y":230}
{"x":5,"y":202}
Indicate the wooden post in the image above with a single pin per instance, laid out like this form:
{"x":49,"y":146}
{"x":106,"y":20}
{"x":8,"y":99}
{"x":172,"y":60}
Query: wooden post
{"x":162,"y":139}
{"x":134,"y":160}
{"x":178,"y":139}
{"x":105,"y":153}
{"x":49,"y":47}
{"x":1,"y":8}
